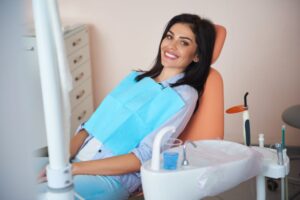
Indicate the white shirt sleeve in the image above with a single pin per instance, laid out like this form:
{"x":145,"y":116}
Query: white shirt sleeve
{"x":144,"y":150}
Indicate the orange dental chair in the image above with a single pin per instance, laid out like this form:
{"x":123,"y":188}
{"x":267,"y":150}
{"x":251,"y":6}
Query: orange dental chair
{"x":208,"y":120}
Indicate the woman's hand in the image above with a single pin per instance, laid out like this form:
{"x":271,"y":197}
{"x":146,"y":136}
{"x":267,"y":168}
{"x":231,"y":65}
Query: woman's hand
{"x":42,"y":177}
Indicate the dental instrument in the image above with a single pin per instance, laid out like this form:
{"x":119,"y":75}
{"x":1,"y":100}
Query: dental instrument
{"x":185,"y":162}
{"x":283,"y":136}
{"x":246,"y":119}
{"x":279,"y":148}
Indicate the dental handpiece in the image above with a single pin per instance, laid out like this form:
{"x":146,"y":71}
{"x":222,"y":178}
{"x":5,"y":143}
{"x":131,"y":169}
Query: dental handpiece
{"x":278,"y":147}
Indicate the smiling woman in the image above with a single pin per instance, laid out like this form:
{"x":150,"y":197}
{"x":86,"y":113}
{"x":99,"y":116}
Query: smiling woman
{"x":178,"y":48}
{"x":111,"y":146}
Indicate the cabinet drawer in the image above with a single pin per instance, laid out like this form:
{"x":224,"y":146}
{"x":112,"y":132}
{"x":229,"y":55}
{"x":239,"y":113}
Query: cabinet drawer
{"x":81,"y":74}
{"x":81,"y":92}
{"x":81,"y":113}
{"x":76,"y":41}
{"x":79,"y":57}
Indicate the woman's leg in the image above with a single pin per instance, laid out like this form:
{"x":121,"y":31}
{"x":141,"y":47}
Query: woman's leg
{"x":99,"y":187}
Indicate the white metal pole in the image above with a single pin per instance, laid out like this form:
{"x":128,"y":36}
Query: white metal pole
{"x":58,"y":171}
{"x":260,"y":188}
{"x":64,"y":72}
{"x":282,"y":181}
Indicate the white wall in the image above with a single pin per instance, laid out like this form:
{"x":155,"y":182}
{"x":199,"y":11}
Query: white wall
{"x":16,"y":127}
{"x":261,"y":54}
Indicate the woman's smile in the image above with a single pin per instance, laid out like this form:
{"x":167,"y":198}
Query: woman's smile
{"x":170,"y":55}
{"x":178,"y":48}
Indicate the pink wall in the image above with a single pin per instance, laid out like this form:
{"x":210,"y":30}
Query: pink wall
{"x":261,"y":53}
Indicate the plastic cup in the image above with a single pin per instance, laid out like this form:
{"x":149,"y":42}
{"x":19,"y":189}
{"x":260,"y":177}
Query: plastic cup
{"x":171,"y":155}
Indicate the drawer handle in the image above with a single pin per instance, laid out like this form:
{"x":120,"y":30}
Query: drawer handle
{"x":78,"y":96}
{"x":80,"y":117}
{"x":76,"y":42}
{"x":77,"y":78}
{"x":76,"y":60}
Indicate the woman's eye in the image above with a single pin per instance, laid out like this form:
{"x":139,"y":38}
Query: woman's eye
{"x":169,"y":37}
{"x":184,"y":43}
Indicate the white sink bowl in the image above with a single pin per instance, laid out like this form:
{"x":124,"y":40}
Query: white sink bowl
{"x":214,"y":166}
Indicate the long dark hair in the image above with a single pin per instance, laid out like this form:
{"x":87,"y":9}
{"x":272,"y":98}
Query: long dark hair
{"x":196,"y":73}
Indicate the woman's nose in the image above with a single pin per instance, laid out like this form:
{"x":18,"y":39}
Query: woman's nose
{"x":173,"y":45}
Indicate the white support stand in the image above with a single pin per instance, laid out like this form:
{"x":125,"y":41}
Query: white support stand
{"x":271,"y":169}
{"x":260,"y":188}
{"x":53,"y":78}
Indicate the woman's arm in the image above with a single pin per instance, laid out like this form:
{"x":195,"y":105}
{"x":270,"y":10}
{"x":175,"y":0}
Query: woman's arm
{"x":77,"y":141}
{"x":116,"y":165}
{"x":131,"y":162}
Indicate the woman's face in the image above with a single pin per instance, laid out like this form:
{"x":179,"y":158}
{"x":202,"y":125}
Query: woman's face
{"x":178,"y":48}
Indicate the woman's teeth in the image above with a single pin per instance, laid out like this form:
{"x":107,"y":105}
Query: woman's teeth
{"x":170,"y":55}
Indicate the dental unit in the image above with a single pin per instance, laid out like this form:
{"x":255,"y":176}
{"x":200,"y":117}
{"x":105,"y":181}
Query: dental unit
{"x":206,"y":167}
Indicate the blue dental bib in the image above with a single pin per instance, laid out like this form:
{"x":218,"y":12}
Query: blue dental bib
{"x":132,"y":111}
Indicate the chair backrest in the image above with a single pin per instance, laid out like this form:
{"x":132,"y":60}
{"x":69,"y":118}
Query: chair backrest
{"x":208,"y":120}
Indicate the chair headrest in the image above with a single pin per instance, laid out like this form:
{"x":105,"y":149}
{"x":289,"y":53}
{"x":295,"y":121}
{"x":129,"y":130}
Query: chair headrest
{"x":220,"y":39}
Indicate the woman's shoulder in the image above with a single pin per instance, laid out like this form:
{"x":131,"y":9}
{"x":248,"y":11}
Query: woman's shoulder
{"x":187,"y":92}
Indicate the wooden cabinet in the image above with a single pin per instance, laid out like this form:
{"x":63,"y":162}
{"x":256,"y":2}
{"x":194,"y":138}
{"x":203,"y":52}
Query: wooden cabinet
{"x":81,"y":98}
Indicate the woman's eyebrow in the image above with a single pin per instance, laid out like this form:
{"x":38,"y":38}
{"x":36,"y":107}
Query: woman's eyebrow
{"x":187,"y":38}
{"x":171,"y":32}
{"x":182,"y":37}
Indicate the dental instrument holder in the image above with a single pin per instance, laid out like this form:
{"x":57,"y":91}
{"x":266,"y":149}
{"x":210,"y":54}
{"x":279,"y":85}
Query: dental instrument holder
{"x":246,"y":119}
{"x":246,"y":122}
{"x":278,"y":147}
{"x":276,"y":164}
